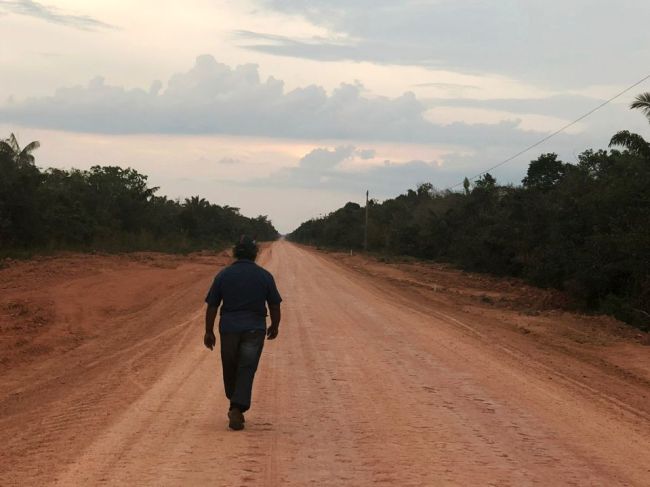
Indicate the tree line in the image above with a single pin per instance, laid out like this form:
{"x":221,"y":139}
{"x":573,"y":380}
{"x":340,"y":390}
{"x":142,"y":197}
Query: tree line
{"x":581,"y":227}
{"x":105,"y":208}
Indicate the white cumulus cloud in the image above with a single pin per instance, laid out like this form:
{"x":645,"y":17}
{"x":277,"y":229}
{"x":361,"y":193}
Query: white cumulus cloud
{"x":213,"y":98}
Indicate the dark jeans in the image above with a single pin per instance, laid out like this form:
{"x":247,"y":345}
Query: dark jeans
{"x":240,"y":354}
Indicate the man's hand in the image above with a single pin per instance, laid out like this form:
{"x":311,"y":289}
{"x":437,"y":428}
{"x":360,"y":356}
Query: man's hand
{"x":272,"y":332}
{"x":276,"y":315}
{"x":210,"y":315}
{"x":209,"y":340}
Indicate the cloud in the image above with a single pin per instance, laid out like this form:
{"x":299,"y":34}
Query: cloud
{"x":548,"y":42}
{"x":324,"y":159}
{"x":561,"y":106}
{"x":447,"y":86}
{"x":366,"y":153}
{"x":326,"y":169}
{"x":228,"y":161}
{"x":455,"y":89}
{"x":213,"y":98}
{"x":322,"y":49}
{"x":53,"y":15}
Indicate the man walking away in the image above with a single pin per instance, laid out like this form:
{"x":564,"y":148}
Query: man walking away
{"x":243,"y":290}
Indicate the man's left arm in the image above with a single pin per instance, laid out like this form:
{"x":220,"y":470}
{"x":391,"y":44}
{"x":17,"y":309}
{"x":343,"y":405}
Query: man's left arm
{"x":209,"y":340}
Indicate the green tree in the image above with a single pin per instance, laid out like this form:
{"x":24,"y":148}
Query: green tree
{"x":487,"y":182}
{"x":106,"y":207}
{"x":20,"y":179}
{"x":544,"y":172}
{"x":582,"y":228}
{"x":466,"y":185}
{"x":632,"y":142}
{"x":11,"y":147}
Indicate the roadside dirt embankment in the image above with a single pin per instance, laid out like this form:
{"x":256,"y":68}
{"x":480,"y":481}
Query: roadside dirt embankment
{"x":50,"y":305}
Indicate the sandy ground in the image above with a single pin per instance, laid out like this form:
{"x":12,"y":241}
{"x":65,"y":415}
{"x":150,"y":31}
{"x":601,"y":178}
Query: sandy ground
{"x":396,"y":374}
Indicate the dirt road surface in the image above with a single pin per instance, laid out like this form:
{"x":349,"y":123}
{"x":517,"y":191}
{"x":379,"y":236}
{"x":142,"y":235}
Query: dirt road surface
{"x":377,"y":378}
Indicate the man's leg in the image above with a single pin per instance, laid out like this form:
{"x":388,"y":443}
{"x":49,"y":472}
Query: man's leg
{"x":250,"y":350}
{"x":229,"y":358}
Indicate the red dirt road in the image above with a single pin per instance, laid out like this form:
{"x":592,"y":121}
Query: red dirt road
{"x":379,"y":376}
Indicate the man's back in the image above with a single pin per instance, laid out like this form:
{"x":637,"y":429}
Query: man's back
{"x":243,"y":289}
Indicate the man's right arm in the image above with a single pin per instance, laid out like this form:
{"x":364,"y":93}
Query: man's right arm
{"x":273,"y":299}
{"x":213,"y":300}
{"x":209,"y":340}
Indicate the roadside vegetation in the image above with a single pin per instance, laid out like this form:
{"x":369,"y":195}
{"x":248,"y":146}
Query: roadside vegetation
{"x":583,"y":228}
{"x":105,"y":208}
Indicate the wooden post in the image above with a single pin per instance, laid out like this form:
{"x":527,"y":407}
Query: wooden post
{"x":365,"y":229}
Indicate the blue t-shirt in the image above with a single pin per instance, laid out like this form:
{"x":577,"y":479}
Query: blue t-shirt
{"x":244,"y":288}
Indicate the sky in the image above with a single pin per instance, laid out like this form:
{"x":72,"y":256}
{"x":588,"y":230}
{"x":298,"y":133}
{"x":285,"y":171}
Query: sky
{"x":291,"y":108}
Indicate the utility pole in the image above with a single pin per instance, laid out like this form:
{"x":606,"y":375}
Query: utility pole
{"x":365,"y":229}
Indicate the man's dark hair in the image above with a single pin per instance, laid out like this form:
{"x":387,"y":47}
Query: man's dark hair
{"x":246,"y":248}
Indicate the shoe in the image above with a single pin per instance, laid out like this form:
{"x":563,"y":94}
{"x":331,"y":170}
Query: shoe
{"x":236,"y":419}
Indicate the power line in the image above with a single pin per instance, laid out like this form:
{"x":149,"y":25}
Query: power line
{"x":560,"y":130}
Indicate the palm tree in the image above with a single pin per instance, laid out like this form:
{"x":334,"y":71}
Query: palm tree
{"x":632,"y":142}
{"x":642,"y":102}
{"x":22,"y":156}
{"x":195,"y":202}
